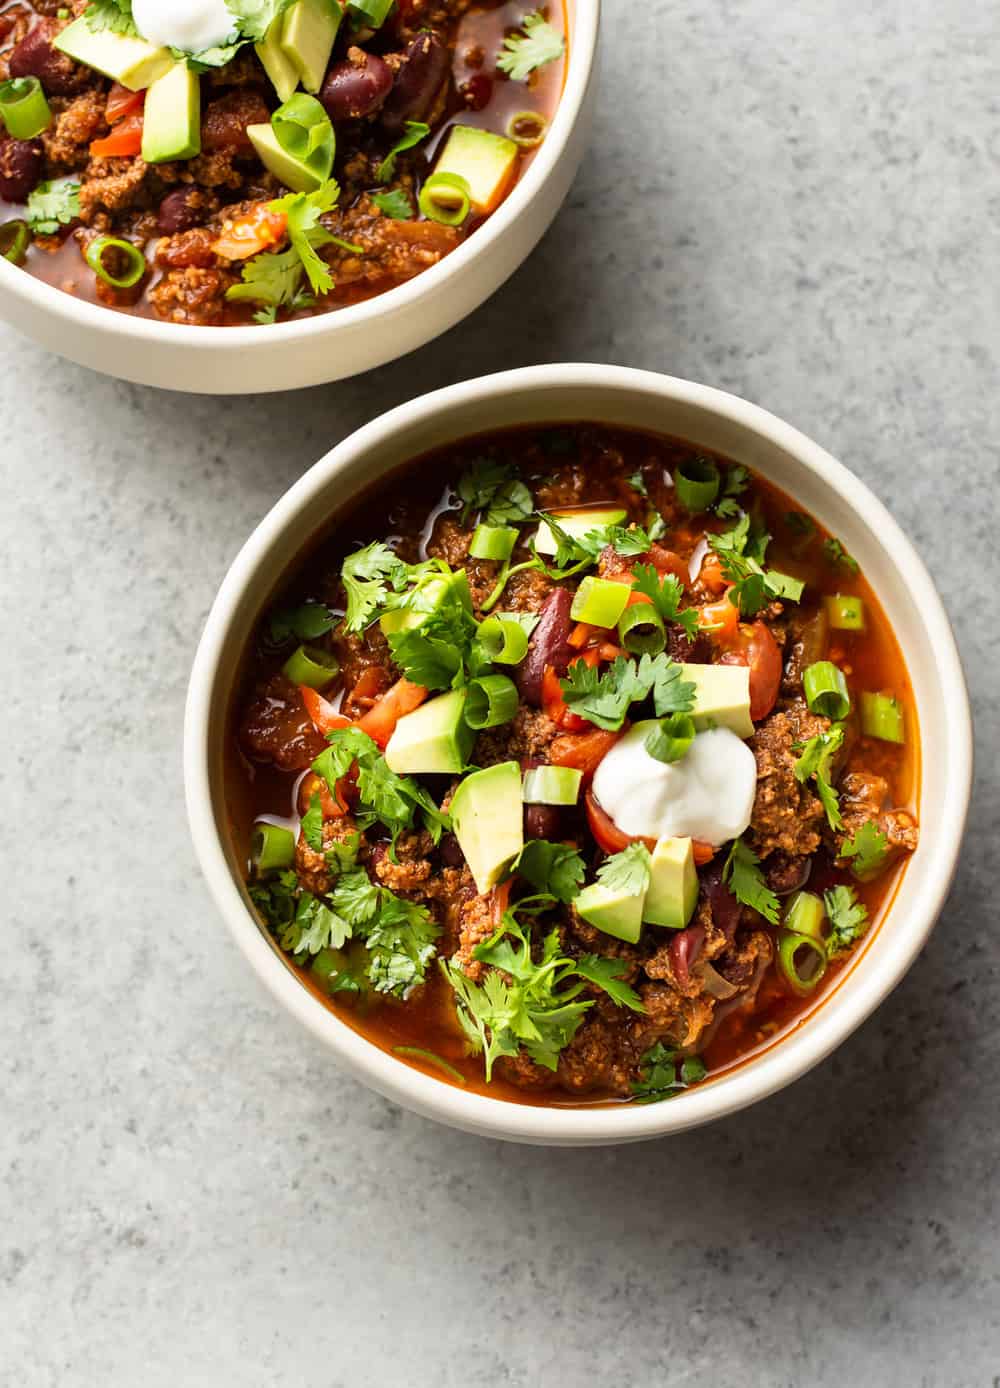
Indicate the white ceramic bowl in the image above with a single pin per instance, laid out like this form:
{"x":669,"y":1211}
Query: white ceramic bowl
{"x":284,"y":356}
{"x":714,"y":420}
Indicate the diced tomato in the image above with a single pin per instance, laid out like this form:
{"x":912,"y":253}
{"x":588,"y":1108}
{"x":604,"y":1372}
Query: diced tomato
{"x":665,"y":561}
{"x":584,"y":751}
{"x":381,"y":719}
{"x":122,"y":102}
{"x":711,"y":574}
{"x":323,"y":714}
{"x":606,"y":832}
{"x":580,"y":635}
{"x":703,"y":852}
{"x":719,"y":620}
{"x":635,"y":598}
{"x":554,"y":705}
{"x":315,"y":785}
{"x":499,"y":897}
{"x":255,"y":231}
{"x":607,"y":650}
{"x":124,"y":140}
{"x":757,"y":648}
{"x":372,"y":683}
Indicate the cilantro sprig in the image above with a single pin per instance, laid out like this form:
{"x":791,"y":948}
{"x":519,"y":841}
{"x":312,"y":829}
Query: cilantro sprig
{"x":368,"y":575}
{"x":741,"y":551}
{"x":555,"y":869}
{"x":867,"y":849}
{"x":816,"y":761}
{"x":848,"y":919}
{"x":604,"y":697}
{"x":413,"y":132}
{"x":664,"y":1073}
{"x":384,"y":797}
{"x":492,"y":489}
{"x":743,"y":877}
{"x":539,"y":44}
{"x":53,"y":205}
{"x":665,"y":594}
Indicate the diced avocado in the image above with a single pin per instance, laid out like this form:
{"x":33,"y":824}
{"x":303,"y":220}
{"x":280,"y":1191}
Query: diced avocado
{"x":673,"y":884}
{"x":577,"y":524}
{"x":126,"y":59}
{"x":294,"y":173}
{"x":433,"y":592}
{"x":486,"y":162}
{"x":616,"y":913}
{"x":434,"y":738}
{"x":488,"y":819}
{"x":307,"y":35}
{"x":279,"y":67}
{"x":171,"y":126}
{"x":722,"y":697}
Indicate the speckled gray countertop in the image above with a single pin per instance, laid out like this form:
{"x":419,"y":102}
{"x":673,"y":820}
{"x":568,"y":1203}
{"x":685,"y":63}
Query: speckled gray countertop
{"x":799,"y":203}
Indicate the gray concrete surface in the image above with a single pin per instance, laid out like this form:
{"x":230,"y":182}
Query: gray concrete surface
{"x":799,"y":203}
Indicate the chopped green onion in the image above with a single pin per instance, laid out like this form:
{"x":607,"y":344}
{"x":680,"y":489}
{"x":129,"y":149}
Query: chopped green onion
{"x":671,"y":738}
{"x":23,"y":108}
{"x":640,"y":629}
{"x":490,"y":701}
{"x":789,"y":947}
{"x":846,"y":613}
{"x":697,"y":481}
{"x":417,"y":1053}
{"x":271,"y":848}
{"x":493,"y":542}
{"x":552,"y":785}
{"x":15,"y":239}
{"x":826,"y":690}
{"x":804,"y":915}
{"x":311,"y":666}
{"x":123,"y":254}
{"x":882,"y":717}
{"x":504,"y":640}
{"x":444,"y":198}
{"x":527,"y":129}
{"x":599,"y":601}
{"x":303,"y":130}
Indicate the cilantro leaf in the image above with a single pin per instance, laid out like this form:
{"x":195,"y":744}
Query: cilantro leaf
{"x":113,"y":15}
{"x":734,"y":482}
{"x":637,"y":482}
{"x":273,"y":278}
{"x":315,"y":926}
{"x":555,"y":868}
{"x":540,"y":43}
{"x":745,"y":880}
{"x":511,"y":504}
{"x":276,"y":899}
{"x":626,"y":872}
{"x":308,"y":622}
{"x":816,"y":760}
{"x":367,"y":576}
{"x":658,"y":1074}
{"x":312,"y":824}
{"x":442,"y":652}
{"x":355,"y":896}
{"x":835,"y":554}
{"x":741,"y":551}
{"x":303,"y":211}
{"x":396,"y":204}
{"x":255,"y":17}
{"x":488,"y":485}
{"x":604,"y":698}
{"x":385,"y":797}
{"x":607,"y":974}
{"x":577,"y":552}
{"x":800,"y":524}
{"x":665,"y":595}
{"x":848,"y":919}
{"x":400,"y":943}
{"x":671,"y":692}
{"x":868,"y":846}
{"x":52,"y":205}
{"x":415,"y":131}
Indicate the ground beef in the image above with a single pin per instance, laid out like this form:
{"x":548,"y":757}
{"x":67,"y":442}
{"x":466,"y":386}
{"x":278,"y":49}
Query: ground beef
{"x":450,"y":542}
{"x":477,"y":922}
{"x":192,"y":295}
{"x":862,"y":797}
{"x":225,"y":120}
{"x":79,"y":122}
{"x":527,"y":735}
{"x":412,"y":869}
{"x":311,"y":866}
{"x":110,"y":185}
{"x":787,"y":816}
{"x":392,"y":250}
{"x":526,"y":591}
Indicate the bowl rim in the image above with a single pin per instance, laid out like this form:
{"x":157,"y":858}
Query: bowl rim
{"x":778,"y":1066}
{"x":584,"y":25}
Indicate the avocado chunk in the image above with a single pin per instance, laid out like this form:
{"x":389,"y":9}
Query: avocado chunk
{"x":486,"y":162}
{"x":171,"y":126}
{"x":721,"y":698}
{"x":577,"y":524}
{"x":126,"y":59}
{"x":294,"y":173}
{"x":433,"y":593}
{"x":617,"y":913}
{"x":673,"y":884}
{"x":488,"y":819}
{"x":307,"y":35}
{"x":279,"y":67}
{"x":433,"y":739}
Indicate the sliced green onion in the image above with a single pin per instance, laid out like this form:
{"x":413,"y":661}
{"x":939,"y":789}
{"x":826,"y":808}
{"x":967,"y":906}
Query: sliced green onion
{"x":123,"y":254}
{"x":490,"y":701}
{"x":826,"y":690}
{"x":599,"y":601}
{"x":804,"y":915}
{"x":15,"y":238}
{"x":671,"y":738}
{"x":882,"y":717}
{"x":417,"y":1053}
{"x":640,"y":629}
{"x":790,"y":946}
{"x":493,"y":542}
{"x":504,"y":640}
{"x":271,"y":848}
{"x":697,"y":481}
{"x":304,"y":130}
{"x":311,"y":666}
{"x":444,"y":198}
{"x":552,"y":785}
{"x":23,"y":108}
{"x":527,"y":129}
{"x":846,"y":613}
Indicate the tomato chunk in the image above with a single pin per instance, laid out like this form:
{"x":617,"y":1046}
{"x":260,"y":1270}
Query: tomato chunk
{"x":381,"y":719}
{"x":758,"y":649}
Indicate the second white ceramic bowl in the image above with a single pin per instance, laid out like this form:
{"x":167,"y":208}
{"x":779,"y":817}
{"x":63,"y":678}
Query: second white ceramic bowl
{"x":331,"y":346}
{"x":711,"y":419}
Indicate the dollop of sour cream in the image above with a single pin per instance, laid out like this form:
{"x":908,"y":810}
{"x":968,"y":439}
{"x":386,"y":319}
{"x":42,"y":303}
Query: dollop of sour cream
{"x":190,"y":25}
{"x":707,"y":795}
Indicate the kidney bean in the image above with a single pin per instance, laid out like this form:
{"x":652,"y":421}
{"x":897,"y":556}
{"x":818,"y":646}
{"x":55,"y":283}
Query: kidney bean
{"x":177,"y":211}
{"x":726,"y":910}
{"x":352,"y":90}
{"x":451,"y":851}
{"x":477,"y":91}
{"x":549,"y":645}
{"x":423,"y":69}
{"x":34,"y":56}
{"x":683,"y":950}
{"x":542,"y":821}
{"x":20,"y":168}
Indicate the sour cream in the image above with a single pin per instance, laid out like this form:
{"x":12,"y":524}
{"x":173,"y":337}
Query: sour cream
{"x":707,"y":795}
{"x":190,"y":25}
